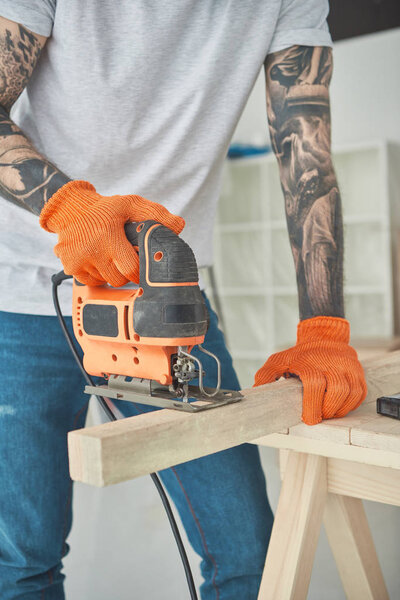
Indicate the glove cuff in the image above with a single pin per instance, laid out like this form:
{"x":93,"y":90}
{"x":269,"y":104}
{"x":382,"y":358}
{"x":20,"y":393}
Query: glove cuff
{"x":321,"y":328}
{"x":65,"y":203}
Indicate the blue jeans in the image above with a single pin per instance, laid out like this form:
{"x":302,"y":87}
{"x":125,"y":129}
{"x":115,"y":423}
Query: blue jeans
{"x":221,"y":498}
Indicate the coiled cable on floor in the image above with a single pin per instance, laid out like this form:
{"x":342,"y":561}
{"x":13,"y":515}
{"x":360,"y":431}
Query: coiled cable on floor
{"x":57,"y":279}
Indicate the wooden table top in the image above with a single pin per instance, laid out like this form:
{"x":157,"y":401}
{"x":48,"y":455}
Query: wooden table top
{"x":361,"y":436}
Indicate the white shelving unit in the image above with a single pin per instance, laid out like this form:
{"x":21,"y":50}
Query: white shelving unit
{"x":254,"y":267}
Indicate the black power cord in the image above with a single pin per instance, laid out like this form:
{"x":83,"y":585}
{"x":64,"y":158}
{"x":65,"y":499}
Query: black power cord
{"x":57,"y":279}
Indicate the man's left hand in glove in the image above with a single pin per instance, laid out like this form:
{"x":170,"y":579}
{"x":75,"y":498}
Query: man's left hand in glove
{"x":332,"y":376}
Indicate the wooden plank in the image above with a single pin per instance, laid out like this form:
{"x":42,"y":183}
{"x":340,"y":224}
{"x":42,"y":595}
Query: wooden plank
{"x":114,"y":452}
{"x":296,"y":529}
{"x":347,"y":478}
{"x":353,"y":548}
{"x":362,"y":428}
{"x":331,"y":449}
{"x":323,"y":431}
{"x":380,"y":433}
{"x":132,"y":447}
{"x":383,"y":376}
{"x":338,"y":430}
{"x":379,"y":484}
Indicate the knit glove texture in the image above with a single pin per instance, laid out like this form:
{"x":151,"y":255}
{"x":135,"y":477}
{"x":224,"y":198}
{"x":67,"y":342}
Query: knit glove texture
{"x":332,"y":376}
{"x":92,"y":245}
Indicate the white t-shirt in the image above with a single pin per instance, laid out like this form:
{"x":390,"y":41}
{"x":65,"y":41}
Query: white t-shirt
{"x":139,"y":96}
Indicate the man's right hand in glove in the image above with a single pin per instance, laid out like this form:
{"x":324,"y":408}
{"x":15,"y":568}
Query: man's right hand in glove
{"x":92,"y":245}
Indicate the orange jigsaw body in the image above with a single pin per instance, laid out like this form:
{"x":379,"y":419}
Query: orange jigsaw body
{"x":128,"y":353}
{"x":136,"y":337}
{"x":168,"y":303}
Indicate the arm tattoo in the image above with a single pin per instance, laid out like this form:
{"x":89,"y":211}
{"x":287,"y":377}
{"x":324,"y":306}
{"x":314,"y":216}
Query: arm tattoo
{"x":299,"y":120}
{"x":26,"y":178}
{"x":19,"y":53}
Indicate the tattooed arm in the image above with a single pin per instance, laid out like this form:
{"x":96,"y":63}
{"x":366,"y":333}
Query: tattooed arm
{"x":26,"y":178}
{"x":299,"y":119}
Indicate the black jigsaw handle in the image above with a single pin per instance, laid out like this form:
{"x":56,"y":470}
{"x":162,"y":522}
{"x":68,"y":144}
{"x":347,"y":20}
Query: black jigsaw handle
{"x":171,"y":304}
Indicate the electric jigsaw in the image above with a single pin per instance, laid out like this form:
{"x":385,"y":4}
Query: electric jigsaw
{"x":140,"y":340}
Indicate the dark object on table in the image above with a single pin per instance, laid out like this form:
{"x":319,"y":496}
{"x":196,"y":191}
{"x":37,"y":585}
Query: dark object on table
{"x":389,"y":406}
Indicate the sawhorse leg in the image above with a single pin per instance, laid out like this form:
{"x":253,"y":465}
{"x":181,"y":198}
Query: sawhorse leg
{"x":303,"y":504}
{"x":296,"y":529}
{"x":352,"y":545}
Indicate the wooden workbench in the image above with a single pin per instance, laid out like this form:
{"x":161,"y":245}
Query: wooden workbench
{"x":327,"y":470}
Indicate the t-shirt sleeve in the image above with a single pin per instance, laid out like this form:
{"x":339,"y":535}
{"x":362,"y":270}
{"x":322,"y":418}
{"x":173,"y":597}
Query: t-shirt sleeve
{"x":302,"y":23}
{"x":36,"y":15}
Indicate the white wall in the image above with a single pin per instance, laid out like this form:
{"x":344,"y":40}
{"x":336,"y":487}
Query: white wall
{"x":366,"y":89}
{"x":121,"y":544}
{"x":365,"y":93}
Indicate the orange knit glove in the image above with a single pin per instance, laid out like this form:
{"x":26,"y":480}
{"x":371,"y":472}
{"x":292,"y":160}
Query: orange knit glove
{"x":92,"y":244}
{"x":332,"y":376}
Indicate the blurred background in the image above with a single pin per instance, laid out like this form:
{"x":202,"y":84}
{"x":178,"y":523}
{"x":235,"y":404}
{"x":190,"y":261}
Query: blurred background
{"x":122,"y":544}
